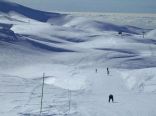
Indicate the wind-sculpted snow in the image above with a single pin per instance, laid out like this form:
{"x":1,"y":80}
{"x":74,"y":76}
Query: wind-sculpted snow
{"x":84,"y":61}
{"x":7,"y":7}
{"x":117,"y":50}
{"x":6,"y":34}
{"x":111,"y":27}
{"x":47,"y":47}
{"x":5,"y":26}
{"x":82,"y":23}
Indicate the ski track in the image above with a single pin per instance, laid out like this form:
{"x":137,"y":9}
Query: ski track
{"x":90,"y":102}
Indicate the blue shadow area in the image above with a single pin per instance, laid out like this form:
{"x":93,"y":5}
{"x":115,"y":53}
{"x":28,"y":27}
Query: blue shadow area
{"x":6,"y":7}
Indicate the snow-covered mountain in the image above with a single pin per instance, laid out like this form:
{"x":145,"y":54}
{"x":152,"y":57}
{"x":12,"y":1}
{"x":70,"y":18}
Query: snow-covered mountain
{"x":7,"y":7}
{"x":69,"y":49}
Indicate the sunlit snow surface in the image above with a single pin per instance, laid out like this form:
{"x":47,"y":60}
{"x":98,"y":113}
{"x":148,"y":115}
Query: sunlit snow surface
{"x":69,"y":49}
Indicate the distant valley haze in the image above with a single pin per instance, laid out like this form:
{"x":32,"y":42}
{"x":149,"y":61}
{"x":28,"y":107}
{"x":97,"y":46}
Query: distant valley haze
{"x":119,"y":6}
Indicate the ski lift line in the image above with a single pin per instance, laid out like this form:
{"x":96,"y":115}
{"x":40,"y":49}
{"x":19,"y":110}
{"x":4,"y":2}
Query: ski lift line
{"x":31,"y":94}
{"x":42,"y":94}
{"x":69,"y":97}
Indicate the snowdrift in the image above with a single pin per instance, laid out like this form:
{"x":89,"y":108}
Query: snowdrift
{"x":74,"y":53}
{"x":151,"y":34}
{"x":6,"y":34}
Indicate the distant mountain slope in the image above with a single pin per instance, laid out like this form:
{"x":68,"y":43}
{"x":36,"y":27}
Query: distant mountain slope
{"x":79,"y":37}
{"x":7,"y":7}
{"x":95,"y":25}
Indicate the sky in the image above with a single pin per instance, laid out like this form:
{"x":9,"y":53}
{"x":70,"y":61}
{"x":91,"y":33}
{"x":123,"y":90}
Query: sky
{"x":122,"y":6}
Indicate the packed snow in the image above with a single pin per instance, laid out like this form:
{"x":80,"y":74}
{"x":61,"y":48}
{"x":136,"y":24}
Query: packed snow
{"x":75,"y":52}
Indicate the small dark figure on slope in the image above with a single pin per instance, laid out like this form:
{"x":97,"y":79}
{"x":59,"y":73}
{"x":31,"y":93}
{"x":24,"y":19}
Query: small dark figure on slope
{"x":111,"y":98}
{"x":96,"y":70}
{"x":107,"y":71}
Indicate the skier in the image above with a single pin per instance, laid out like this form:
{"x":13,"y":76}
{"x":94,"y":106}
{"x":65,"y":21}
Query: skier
{"x":111,"y":98}
{"x":107,"y":71}
{"x":96,"y":70}
{"x":120,"y":33}
{"x":143,"y":33}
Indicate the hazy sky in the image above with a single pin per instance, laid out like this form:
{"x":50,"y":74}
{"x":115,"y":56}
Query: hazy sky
{"x":144,"y":6}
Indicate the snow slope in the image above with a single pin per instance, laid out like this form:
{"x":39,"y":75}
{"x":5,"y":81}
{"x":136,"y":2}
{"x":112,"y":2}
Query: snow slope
{"x":134,"y":19}
{"x":69,"y":49}
{"x":6,"y":7}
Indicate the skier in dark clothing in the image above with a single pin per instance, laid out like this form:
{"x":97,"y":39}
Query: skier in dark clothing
{"x":107,"y":71}
{"x":96,"y":70}
{"x":111,"y":98}
{"x":120,"y":32}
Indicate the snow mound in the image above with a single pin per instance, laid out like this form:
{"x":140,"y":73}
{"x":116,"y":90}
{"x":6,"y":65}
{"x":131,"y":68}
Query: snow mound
{"x":142,"y":80}
{"x":151,"y":34}
{"x":6,"y":34}
{"x":72,"y":83}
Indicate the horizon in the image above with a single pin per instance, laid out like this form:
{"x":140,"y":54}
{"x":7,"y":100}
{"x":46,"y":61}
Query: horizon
{"x":92,"y":12}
